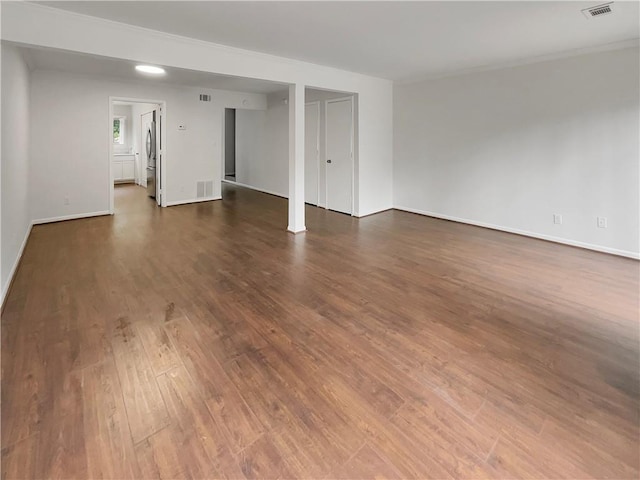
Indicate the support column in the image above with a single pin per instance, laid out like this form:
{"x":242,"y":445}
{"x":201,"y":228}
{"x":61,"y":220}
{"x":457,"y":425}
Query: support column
{"x":296,"y":158}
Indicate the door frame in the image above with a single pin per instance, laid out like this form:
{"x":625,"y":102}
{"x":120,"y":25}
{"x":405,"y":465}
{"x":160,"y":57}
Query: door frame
{"x":317,"y":104}
{"x":163,"y":156}
{"x":350,"y":98}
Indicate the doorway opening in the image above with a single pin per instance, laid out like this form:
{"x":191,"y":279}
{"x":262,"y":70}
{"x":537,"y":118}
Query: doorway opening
{"x":230,"y":144}
{"x":255,"y":150}
{"x":136,"y":153}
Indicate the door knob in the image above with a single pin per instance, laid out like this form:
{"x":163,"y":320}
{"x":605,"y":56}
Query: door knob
{"x":328,"y":161}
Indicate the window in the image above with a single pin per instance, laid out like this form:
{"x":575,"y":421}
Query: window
{"x":118,"y":130}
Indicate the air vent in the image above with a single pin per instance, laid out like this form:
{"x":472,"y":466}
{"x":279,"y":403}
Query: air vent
{"x":204,"y":189}
{"x":205,"y":97}
{"x":598,"y":11}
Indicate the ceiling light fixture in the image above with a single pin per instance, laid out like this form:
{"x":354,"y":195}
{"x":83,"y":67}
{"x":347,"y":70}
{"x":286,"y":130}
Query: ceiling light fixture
{"x":150,"y":69}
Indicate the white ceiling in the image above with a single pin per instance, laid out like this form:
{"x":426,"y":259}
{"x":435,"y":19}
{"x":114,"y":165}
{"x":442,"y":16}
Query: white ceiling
{"x":50,"y":59}
{"x":393,"y":39}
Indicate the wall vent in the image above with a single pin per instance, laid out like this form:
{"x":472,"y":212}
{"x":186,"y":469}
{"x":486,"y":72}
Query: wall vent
{"x":204,"y":189}
{"x":204,"y":97}
{"x":599,"y":10}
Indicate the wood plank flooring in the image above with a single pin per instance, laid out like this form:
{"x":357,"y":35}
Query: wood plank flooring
{"x":203,"y":341}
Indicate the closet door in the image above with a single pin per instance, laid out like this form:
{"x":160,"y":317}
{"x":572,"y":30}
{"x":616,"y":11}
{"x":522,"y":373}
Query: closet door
{"x":339,"y":166}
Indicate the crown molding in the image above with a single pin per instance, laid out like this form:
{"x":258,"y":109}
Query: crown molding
{"x":631,"y":43}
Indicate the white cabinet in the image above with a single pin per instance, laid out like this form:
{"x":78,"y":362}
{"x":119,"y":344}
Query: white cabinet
{"x":123,"y":168}
{"x":128,"y":170}
{"x":117,"y":170}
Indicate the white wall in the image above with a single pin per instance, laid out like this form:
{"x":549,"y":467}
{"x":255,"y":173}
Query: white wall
{"x":34,"y":24}
{"x":14,"y":205}
{"x":251,"y":159}
{"x":509,"y":148}
{"x":77,"y":166}
{"x":277,"y":142}
{"x":262,"y":146}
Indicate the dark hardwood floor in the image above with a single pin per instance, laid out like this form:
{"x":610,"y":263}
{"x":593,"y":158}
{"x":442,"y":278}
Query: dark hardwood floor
{"x":204,"y":341}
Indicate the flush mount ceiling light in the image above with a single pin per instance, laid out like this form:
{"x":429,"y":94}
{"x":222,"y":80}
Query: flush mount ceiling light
{"x":150,"y":69}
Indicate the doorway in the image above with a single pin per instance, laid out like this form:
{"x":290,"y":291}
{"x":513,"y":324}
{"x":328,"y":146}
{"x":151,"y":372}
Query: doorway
{"x":339,"y":154}
{"x":136,"y":152}
{"x":230,"y":144}
{"x":151,"y":138}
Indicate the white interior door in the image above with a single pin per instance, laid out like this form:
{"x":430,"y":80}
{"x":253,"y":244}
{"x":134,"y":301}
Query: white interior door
{"x":311,"y":152}
{"x":339,"y":135}
{"x":159,"y":154}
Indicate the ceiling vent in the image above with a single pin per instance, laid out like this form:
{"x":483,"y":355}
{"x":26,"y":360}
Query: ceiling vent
{"x":599,"y":10}
{"x":205,"y":97}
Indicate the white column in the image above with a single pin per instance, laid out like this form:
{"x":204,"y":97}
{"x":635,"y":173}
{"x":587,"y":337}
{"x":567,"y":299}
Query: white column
{"x":296,"y":158}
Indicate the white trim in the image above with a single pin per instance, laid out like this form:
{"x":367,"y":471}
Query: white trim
{"x":111,"y":193}
{"x":326,"y":142}
{"x":256,"y":188}
{"x":374,"y":212}
{"x":163,"y":130}
{"x":75,"y":216}
{"x":192,"y":200}
{"x":295,"y":232}
{"x":634,"y":42}
{"x":14,"y":268}
{"x":550,"y":238}
{"x":223,"y":146}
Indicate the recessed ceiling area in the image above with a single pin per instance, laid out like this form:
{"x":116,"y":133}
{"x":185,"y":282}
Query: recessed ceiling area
{"x":60,"y":60}
{"x":396,"y":40}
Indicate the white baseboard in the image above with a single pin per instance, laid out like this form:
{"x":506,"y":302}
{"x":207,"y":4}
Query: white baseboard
{"x":12,"y":272}
{"x":192,"y":200}
{"x":75,"y":216}
{"x":373,"y":212}
{"x":256,"y":188}
{"x":549,"y":238}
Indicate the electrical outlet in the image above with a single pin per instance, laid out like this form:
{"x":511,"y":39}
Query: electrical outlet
{"x":66,"y":200}
{"x":557,"y":219}
{"x":602,"y":222}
